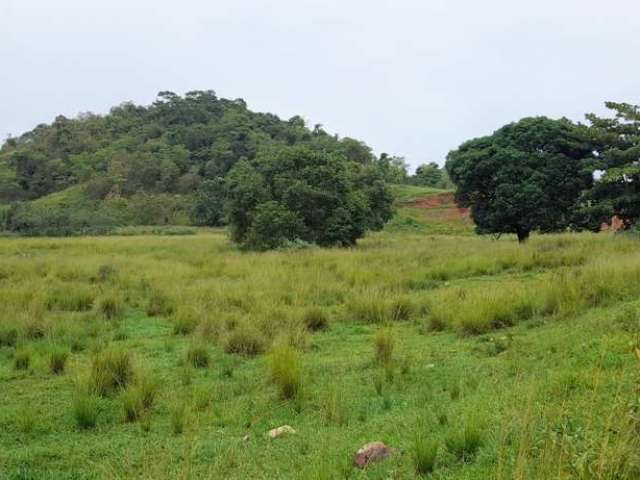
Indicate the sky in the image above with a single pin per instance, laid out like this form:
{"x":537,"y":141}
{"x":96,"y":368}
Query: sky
{"x":413,"y":78}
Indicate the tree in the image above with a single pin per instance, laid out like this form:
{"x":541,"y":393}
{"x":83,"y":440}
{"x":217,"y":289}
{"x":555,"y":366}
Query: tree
{"x":393,"y":169}
{"x":428,"y":175}
{"x":301,"y":193}
{"x":527,"y":176}
{"x":208,"y":204}
{"x":617,"y":146}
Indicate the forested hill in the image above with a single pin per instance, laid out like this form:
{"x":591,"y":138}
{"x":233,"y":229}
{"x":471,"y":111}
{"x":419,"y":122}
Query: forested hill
{"x":194,"y":160}
{"x":167,"y":147}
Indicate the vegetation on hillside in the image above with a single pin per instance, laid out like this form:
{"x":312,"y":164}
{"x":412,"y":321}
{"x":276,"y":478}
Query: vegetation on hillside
{"x":168,"y":163}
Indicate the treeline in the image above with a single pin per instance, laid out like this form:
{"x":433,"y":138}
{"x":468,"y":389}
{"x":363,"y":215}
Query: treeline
{"x":185,"y":159}
{"x":547,"y":175}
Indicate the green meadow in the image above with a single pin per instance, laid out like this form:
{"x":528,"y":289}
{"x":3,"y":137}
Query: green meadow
{"x":172,"y":356}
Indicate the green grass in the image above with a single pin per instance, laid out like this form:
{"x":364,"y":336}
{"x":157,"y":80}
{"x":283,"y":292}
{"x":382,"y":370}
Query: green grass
{"x":518,"y":360}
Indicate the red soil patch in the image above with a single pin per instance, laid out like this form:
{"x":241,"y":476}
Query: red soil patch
{"x":443,"y":201}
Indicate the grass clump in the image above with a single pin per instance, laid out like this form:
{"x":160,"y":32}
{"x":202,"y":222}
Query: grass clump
{"x":58,"y":360}
{"x":8,"y":336}
{"x":177,"y":417}
{"x":425,"y":454}
{"x":111,"y":370}
{"x":139,"y":398}
{"x":184,"y":322}
{"x":85,"y":410}
{"x":465,"y":443}
{"x":370,"y":308}
{"x":285,"y":370}
{"x":316,"y":319}
{"x":110,"y":306}
{"x":198,"y":356}
{"x":244,"y":340}
{"x":384,"y":344}
{"x":159,"y":304}
{"x":22,"y":359}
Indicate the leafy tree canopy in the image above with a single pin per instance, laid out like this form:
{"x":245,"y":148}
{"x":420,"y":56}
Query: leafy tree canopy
{"x":527,"y":176}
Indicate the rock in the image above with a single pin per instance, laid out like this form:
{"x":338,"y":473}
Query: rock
{"x":372,"y":452}
{"x":276,"y":432}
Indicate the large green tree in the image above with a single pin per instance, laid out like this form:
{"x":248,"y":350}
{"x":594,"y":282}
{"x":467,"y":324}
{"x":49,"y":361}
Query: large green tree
{"x":527,"y":176}
{"x":617,"y":146}
{"x":301,"y":193}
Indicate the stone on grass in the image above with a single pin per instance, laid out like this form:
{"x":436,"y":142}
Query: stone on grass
{"x":372,"y":452}
{"x":277,"y":432}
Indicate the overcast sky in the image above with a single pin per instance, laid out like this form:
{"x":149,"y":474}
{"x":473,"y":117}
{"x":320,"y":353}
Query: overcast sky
{"x":409,"y":77}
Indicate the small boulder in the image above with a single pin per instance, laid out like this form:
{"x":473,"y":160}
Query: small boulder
{"x":277,"y":432}
{"x":372,"y":452}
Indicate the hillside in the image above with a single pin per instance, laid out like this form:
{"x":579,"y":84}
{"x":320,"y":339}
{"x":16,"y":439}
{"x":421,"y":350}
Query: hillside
{"x":474,"y":358}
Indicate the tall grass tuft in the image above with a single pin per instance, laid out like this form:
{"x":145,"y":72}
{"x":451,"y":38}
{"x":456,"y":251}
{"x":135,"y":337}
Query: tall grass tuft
{"x":22,"y":359}
{"x":465,"y":443}
{"x":384,"y":345}
{"x":316,"y":319}
{"x":198,"y":356}
{"x":425,"y":453}
{"x":58,"y":360}
{"x":110,"y":306}
{"x":138,"y":398}
{"x":111,"y":370}
{"x":245,"y":340}
{"x":85,"y":410}
{"x":159,"y":304}
{"x":285,"y":370}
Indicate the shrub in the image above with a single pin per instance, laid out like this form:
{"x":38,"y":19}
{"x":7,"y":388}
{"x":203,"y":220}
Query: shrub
{"x":22,"y":359}
{"x":465,"y":443}
{"x":198,"y":356}
{"x":159,"y":304}
{"x":111,"y":370}
{"x":425,"y":453}
{"x":384,"y":344}
{"x":285,"y":371}
{"x":316,"y":319}
{"x":58,"y":360}
{"x":272,"y":226}
{"x":85,"y":410}
{"x":244,"y":340}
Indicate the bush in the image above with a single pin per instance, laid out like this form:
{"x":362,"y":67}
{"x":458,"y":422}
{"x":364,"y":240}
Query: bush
{"x":285,"y":371}
{"x":58,"y":360}
{"x":111,"y":370}
{"x":315,"y":319}
{"x":298,"y":192}
{"x":272,"y":226}
{"x":85,"y":411}
{"x":198,"y":356}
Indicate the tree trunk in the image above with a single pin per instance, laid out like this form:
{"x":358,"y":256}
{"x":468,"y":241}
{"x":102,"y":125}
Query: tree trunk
{"x":523,"y":235}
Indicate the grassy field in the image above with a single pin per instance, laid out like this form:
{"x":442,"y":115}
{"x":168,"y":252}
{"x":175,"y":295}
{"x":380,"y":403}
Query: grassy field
{"x":172,"y":356}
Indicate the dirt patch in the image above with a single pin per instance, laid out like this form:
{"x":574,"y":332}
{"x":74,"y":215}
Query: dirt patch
{"x":442,"y":201}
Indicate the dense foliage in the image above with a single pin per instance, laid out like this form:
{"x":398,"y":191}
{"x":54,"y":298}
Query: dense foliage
{"x":617,"y":147}
{"x":184,"y":148}
{"x":527,"y":176}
